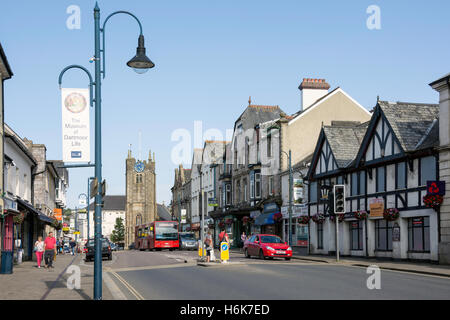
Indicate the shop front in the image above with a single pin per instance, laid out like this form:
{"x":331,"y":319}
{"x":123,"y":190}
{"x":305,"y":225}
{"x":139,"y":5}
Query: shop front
{"x":269,"y":221}
{"x":299,"y":225}
{"x":7,"y":243}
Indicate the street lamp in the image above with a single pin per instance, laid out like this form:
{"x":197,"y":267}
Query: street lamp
{"x":139,"y":63}
{"x":290,"y":194}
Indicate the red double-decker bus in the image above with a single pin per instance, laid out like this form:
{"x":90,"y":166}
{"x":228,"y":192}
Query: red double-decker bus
{"x":157,"y":235}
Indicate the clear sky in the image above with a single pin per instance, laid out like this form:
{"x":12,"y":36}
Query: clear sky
{"x":210,"y":57}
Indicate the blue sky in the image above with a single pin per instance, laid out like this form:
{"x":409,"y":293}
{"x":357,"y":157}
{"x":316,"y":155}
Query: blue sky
{"x":210,"y":57}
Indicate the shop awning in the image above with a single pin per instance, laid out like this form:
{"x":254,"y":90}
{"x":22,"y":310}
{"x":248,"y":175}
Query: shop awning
{"x":265,"y":219}
{"x":32,"y":209}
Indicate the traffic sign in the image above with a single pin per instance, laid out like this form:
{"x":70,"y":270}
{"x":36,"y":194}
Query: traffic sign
{"x":94,"y":187}
{"x":224,"y":251}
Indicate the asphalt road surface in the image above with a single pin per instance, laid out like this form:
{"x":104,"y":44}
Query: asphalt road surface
{"x":174,"y":276}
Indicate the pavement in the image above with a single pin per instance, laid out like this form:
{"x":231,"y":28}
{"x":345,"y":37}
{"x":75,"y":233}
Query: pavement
{"x":27,"y":282}
{"x":405,"y":266}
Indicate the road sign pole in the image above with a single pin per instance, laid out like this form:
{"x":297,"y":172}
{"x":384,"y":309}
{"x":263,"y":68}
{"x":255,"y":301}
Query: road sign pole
{"x":337,"y":237}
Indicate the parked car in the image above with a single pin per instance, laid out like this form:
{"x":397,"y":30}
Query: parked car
{"x":188,"y":241}
{"x":113,"y":246}
{"x":131,"y":246}
{"x":106,"y":249}
{"x":267,"y":246}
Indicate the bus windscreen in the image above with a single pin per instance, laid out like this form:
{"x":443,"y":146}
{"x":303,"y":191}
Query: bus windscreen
{"x":166,"y":231}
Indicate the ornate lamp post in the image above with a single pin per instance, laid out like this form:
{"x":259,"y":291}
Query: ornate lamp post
{"x":140,"y":63}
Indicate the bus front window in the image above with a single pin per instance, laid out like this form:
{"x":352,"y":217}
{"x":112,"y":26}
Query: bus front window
{"x":166,"y":232}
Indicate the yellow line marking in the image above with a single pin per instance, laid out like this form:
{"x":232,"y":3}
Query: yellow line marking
{"x":127,"y":285}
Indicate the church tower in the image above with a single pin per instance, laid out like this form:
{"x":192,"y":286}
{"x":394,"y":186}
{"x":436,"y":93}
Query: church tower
{"x":140,"y":184}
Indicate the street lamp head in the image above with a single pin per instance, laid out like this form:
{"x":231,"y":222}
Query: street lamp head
{"x":140,"y":62}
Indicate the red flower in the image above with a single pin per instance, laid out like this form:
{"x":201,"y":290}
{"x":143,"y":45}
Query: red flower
{"x":433,"y":201}
{"x":303,"y":220}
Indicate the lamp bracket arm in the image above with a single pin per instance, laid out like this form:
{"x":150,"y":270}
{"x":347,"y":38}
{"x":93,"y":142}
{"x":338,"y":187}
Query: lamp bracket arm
{"x":91,"y":83}
{"x":102,"y":30}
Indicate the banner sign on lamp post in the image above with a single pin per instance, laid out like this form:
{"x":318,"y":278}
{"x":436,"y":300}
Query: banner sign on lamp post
{"x":75,"y":125}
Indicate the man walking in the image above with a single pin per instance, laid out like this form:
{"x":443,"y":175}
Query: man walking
{"x":50,"y":250}
{"x":72,"y":245}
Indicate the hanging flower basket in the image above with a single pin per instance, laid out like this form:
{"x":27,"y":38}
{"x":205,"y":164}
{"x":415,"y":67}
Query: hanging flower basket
{"x":391,"y":214}
{"x":340,"y":217}
{"x":303,"y":220}
{"x":361,"y":214}
{"x":246,"y":220}
{"x":211,"y":225}
{"x":277,"y":217}
{"x":318,"y":218}
{"x":229,"y":221}
{"x":18,"y":219}
{"x":433,"y":201}
{"x":221,"y":224}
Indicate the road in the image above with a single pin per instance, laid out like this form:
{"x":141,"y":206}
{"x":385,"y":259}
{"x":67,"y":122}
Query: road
{"x":174,"y":275}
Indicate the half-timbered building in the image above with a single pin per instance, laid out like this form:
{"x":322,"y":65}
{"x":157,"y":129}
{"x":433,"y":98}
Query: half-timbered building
{"x":385,"y":165}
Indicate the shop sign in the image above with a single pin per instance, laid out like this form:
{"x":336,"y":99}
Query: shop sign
{"x":57,"y":213}
{"x":183,"y":215}
{"x":10,"y":204}
{"x":212,"y":202}
{"x":298,"y":191}
{"x":255,"y":214}
{"x":396,"y":232}
{"x":271,"y":207}
{"x":436,"y":188}
{"x":297,"y":211}
{"x":376,"y":207}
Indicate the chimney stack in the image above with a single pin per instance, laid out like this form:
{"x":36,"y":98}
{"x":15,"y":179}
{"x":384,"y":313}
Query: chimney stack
{"x":312,"y":90}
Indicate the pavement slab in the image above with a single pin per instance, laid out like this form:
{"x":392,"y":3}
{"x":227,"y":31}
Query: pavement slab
{"x":27,"y":282}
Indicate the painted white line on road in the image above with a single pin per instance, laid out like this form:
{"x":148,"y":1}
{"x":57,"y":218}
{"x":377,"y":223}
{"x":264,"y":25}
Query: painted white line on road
{"x":155,"y":267}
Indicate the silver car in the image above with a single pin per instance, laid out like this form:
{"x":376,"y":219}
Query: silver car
{"x":188,"y":241}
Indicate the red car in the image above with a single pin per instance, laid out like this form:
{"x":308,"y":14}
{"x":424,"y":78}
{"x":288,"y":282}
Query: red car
{"x":267,"y":246}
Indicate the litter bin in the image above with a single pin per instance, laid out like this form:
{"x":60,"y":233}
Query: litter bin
{"x":7,"y":262}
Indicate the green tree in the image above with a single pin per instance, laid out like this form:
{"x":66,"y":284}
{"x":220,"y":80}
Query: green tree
{"x":118,"y":234}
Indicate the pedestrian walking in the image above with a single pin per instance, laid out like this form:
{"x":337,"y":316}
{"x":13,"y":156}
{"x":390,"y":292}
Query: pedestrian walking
{"x":62,"y":245}
{"x":72,"y":245}
{"x":49,"y":250}
{"x":243,"y":239}
{"x":208,"y":246}
{"x":58,"y":246}
{"x":39,"y":250}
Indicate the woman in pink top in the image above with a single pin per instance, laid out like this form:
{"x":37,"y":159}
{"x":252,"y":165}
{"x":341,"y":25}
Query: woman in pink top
{"x":39,"y":249}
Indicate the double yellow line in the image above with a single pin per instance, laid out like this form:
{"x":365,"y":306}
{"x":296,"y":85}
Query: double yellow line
{"x":127,"y":285}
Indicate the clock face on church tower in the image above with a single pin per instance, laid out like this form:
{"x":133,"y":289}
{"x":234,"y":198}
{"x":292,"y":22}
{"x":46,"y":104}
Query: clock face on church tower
{"x":139,"y":166}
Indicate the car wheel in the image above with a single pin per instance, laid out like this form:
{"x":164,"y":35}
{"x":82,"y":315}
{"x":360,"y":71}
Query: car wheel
{"x":261,"y":255}
{"x":246,"y":254}
{"x":287,"y":259}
